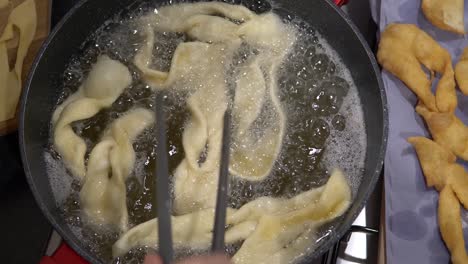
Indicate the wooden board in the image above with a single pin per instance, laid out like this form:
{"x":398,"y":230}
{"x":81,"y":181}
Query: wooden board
{"x":43,"y":9}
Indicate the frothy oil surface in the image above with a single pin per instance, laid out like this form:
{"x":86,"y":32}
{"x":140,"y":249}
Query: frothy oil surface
{"x":325,"y":128}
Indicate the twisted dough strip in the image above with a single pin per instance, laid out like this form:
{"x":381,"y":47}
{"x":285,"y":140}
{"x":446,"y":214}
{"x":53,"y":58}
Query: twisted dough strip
{"x":104,"y":84}
{"x":185,"y":17}
{"x":402,"y":50}
{"x":275,"y":230}
{"x":451,"y":225}
{"x":451,"y":180}
{"x":447,"y":130}
{"x":201,"y":68}
{"x":103,"y":194}
{"x":252,"y":158}
{"x":194,"y":182}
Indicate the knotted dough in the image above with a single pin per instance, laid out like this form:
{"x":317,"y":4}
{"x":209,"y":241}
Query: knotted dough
{"x":451,"y":180}
{"x":403,"y":49}
{"x":200,"y":67}
{"x":275,"y":230}
{"x":103,"y":194}
{"x":104,"y":84}
{"x":447,"y":130}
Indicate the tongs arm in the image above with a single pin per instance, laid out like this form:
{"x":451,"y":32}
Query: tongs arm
{"x":163,"y":195}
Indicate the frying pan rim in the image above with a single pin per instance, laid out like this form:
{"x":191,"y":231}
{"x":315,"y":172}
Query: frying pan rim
{"x":70,"y":240}
{"x":340,"y":231}
{"x":337,"y":233}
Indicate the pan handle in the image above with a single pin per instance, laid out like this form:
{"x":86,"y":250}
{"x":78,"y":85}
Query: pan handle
{"x":63,"y":255}
{"x":340,"y":2}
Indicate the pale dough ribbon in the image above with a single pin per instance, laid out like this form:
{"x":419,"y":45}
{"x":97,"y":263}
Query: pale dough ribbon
{"x":104,"y":84}
{"x":103,"y":194}
{"x":275,"y":230}
{"x":201,"y":68}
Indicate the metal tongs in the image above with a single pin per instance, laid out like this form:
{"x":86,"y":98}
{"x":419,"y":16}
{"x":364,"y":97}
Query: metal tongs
{"x":164,"y":198}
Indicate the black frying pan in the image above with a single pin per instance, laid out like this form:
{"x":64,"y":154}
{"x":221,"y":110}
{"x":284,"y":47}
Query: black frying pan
{"x":44,"y":87}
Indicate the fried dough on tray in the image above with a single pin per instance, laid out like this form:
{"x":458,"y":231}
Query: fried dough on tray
{"x":402,"y":50}
{"x":445,"y":14}
{"x":447,"y":130}
{"x":451,"y":180}
{"x":461,"y":72}
{"x":440,"y":168}
{"x":450,"y":226}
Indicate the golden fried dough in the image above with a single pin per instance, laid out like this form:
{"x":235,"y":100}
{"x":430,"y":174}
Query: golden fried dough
{"x":451,"y":180}
{"x":458,"y":180}
{"x":440,"y":168}
{"x":451,"y":226}
{"x":434,"y":160}
{"x":445,"y":14}
{"x":447,"y":130}
{"x":461,"y":72}
{"x":402,"y":50}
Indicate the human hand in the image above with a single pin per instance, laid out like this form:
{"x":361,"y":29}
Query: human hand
{"x":214,"y":259}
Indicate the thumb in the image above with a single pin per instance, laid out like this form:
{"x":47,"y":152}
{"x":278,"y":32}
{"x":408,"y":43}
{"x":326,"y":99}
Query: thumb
{"x":215,"y":259}
{"x":152,"y":259}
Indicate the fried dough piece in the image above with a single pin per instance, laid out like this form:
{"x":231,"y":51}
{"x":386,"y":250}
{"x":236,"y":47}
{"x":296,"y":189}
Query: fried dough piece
{"x":447,"y":130}
{"x":461,"y":72}
{"x":434,"y":160}
{"x":402,"y":50}
{"x":445,"y":14}
{"x":451,"y":180}
{"x":451,"y":226}
{"x":458,"y":180}
{"x":440,"y":168}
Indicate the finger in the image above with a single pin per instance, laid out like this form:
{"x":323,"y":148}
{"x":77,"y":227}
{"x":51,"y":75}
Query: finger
{"x":215,"y":259}
{"x":152,"y":259}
